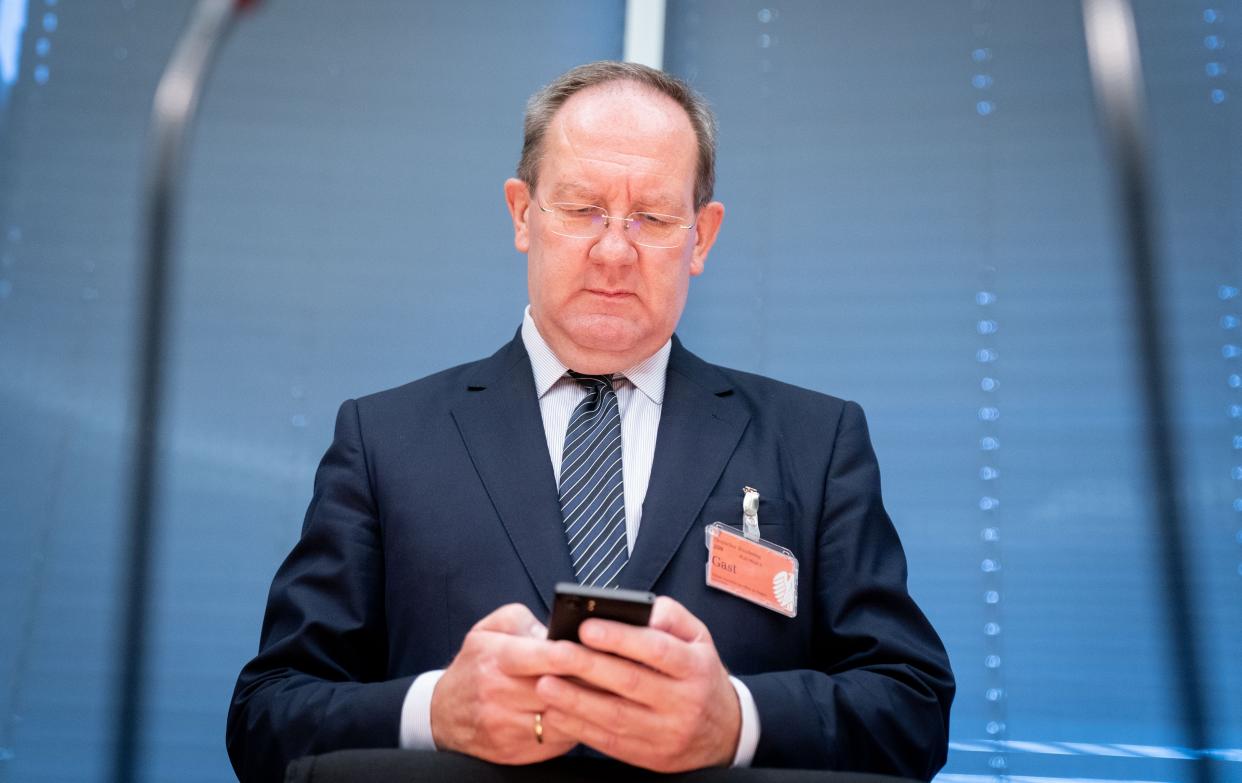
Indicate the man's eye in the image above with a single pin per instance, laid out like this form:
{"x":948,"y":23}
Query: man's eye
{"x":576,"y":210}
{"x":655,"y":220}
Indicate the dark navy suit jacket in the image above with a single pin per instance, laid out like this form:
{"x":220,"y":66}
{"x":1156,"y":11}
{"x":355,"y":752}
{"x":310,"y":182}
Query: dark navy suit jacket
{"x":436,"y":503}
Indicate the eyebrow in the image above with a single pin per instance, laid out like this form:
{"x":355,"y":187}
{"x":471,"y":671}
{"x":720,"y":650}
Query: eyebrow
{"x":574,"y":193}
{"x":660,"y":204}
{"x":578,"y":194}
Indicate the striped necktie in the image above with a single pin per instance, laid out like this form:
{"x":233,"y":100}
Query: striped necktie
{"x":592,"y":493}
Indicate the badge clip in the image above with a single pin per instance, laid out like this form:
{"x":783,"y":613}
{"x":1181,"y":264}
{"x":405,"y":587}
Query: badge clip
{"x":750,"y":513}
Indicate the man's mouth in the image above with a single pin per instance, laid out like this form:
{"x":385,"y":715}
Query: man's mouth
{"x":610,"y":293}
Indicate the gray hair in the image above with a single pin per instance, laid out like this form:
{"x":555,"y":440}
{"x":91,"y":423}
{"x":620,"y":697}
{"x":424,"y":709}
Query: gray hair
{"x":545,"y":103}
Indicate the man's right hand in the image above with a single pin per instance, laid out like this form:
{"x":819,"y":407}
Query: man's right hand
{"x":485,"y":703}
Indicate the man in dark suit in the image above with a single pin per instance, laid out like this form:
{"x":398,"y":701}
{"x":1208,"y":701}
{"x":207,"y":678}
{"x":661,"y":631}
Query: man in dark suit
{"x":595,"y":448}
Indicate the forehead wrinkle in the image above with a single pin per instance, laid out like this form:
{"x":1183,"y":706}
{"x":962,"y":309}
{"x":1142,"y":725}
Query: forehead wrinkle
{"x":559,"y":124}
{"x":628,"y":168}
{"x":564,"y":134}
{"x":635,"y":197}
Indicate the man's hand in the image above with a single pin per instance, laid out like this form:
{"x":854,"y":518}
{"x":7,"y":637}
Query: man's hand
{"x":662,"y":700}
{"x":485,"y":703}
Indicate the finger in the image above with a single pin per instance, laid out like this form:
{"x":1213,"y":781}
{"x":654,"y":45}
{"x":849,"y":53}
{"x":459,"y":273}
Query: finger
{"x":636,"y":750}
{"x":477,"y":687}
{"x":517,"y":656}
{"x":653,"y":647}
{"x":597,"y":707}
{"x":520,"y":738}
{"x":632,"y":680}
{"x":555,"y":737}
{"x":515,"y":620}
{"x":670,"y":616}
{"x":514,"y":694}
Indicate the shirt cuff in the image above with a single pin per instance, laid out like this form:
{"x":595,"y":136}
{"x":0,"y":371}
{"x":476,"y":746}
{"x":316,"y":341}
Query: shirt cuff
{"x":416,"y":712}
{"x":748,"y":738}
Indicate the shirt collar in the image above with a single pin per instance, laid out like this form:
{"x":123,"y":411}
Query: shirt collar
{"x":648,"y":376}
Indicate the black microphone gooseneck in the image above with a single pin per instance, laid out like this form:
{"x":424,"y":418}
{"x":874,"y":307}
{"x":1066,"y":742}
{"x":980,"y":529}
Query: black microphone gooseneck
{"x":1116,"y":73}
{"x":176,"y":100}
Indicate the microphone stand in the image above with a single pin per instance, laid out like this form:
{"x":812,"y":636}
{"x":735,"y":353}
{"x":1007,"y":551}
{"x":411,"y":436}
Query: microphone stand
{"x":176,"y":101}
{"x":1116,"y":74}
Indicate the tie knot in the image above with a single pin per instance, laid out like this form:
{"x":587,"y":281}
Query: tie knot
{"x":594,"y":383}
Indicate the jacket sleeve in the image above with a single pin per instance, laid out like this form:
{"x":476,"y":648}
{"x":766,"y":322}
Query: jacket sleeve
{"x":318,"y":682}
{"x":878,"y":694}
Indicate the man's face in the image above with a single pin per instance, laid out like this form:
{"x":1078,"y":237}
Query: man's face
{"x":606,"y":303}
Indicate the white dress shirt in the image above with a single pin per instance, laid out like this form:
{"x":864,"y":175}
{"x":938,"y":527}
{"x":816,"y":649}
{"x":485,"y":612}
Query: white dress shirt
{"x":640,"y":397}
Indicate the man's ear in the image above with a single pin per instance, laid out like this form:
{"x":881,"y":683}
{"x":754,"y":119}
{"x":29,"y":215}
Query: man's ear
{"x":706,"y":227}
{"x":517,"y":197}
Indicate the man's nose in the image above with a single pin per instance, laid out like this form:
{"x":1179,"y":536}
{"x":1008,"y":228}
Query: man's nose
{"x":615,"y":244}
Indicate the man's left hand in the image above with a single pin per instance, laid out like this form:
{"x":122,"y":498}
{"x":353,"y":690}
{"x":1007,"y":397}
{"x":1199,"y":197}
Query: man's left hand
{"x":657,"y":697}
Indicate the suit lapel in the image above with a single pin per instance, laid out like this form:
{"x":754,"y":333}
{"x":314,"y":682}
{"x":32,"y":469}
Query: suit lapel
{"x":700,"y":426}
{"x":500,"y":422}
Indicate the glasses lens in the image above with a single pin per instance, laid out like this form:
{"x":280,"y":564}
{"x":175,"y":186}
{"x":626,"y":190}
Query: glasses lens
{"x":584,"y":221}
{"x":577,"y":220}
{"x":653,"y":230}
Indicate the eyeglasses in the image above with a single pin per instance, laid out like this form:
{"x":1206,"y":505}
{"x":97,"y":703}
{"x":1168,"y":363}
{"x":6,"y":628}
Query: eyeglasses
{"x":583,"y":221}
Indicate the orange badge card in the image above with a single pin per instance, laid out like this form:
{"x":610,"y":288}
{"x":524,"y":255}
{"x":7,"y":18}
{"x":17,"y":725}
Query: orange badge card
{"x":756,"y":570}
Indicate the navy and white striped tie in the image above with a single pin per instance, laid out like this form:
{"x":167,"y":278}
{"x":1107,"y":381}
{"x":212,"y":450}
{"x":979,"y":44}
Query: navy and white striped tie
{"x":592,"y":492}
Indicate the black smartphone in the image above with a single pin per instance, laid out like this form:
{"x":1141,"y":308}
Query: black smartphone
{"x":575,"y":603}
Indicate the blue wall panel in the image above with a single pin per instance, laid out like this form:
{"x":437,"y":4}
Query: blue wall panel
{"x":919,"y":217}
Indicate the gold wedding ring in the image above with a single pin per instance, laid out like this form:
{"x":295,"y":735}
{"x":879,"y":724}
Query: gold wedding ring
{"x":539,"y":727}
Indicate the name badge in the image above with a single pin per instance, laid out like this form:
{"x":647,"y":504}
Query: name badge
{"x":752,"y":569}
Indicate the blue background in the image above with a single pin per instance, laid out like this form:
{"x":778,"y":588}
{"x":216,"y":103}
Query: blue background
{"x":919,"y":217}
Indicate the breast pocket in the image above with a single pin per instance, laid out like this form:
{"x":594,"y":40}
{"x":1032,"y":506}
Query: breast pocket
{"x":752,"y":638}
{"x":776,"y":516}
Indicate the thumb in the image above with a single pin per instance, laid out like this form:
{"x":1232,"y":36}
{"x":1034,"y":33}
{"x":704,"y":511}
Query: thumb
{"x":514,"y":620}
{"x":671,"y":617}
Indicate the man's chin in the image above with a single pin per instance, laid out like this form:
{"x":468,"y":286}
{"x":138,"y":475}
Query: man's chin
{"x":603,"y":343}
{"x":611,"y":334}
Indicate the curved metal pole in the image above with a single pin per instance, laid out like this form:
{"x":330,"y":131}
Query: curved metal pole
{"x":176,"y":100}
{"x":1116,"y":73}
